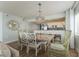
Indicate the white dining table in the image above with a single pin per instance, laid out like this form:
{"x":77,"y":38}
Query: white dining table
{"x":4,"y":50}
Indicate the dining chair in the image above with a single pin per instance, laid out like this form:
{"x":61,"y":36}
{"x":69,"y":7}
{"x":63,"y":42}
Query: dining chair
{"x":33,"y":43}
{"x":57,"y":49}
{"x":45,"y":39}
{"x":57,"y":38}
{"x":22,"y":39}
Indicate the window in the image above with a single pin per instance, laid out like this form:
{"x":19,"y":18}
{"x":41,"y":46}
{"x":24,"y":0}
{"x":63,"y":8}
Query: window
{"x":77,"y":24}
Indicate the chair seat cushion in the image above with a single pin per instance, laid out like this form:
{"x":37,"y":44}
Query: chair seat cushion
{"x":34,"y":45}
{"x":57,"y":46}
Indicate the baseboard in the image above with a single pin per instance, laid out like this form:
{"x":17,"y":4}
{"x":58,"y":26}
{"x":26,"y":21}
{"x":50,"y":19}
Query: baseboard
{"x":10,"y":41}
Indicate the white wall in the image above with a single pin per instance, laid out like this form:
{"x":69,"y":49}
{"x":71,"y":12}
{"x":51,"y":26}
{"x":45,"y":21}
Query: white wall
{"x":8,"y":34}
{"x":0,"y":26}
{"x":33,"y":27}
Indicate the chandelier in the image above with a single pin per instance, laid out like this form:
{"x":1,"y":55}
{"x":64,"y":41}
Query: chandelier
{"x":39,"y":17}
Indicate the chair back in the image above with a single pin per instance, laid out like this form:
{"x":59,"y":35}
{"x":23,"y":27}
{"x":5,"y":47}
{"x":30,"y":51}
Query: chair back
{"x":22,"y":37}
{"x":31,"y":37}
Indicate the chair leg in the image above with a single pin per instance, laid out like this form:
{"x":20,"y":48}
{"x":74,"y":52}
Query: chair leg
{"x":45,"y":47}
{"x":27,"y":50}
{"x":36,"y":52}
{"x":21,"y":46}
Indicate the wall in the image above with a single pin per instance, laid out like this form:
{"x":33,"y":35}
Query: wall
{"x":0,"y":26}
{"x":34,"y":27}
{"x":31,"y":26}
{"x":10,"y":35}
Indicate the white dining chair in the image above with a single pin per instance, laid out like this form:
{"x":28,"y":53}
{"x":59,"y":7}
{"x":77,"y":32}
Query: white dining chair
{"x":22,"y":39}
{"x":33,"y":43}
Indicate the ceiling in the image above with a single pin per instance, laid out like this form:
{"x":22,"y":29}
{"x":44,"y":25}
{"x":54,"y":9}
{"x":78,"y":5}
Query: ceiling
{"x":29,"y":9}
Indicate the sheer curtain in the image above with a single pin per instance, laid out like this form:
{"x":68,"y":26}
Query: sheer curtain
{"x":70,"y":25}
{"x":72,"y":28}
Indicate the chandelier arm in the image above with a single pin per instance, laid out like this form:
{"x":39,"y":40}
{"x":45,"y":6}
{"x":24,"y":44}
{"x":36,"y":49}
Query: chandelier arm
{"x":40,"y":9}
{"x":40,"y":17}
